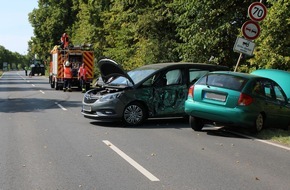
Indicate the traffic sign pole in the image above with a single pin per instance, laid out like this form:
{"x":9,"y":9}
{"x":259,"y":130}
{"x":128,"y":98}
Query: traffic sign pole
{"x":240,"y":57}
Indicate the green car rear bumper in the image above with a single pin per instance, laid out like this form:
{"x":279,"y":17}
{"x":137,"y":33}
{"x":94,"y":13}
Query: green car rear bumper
{"x":231,"y":116}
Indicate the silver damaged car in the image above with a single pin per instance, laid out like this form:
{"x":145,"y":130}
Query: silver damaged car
{"x":155,"y":90}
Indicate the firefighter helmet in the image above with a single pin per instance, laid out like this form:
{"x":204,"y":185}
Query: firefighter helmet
{"x":67,"y":63}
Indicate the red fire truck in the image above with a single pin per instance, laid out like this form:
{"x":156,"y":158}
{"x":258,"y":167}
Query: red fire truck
{"x":76,"y":56}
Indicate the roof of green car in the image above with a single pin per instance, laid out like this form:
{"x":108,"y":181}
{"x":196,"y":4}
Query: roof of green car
{"x":279,"y":76}
{"x":239,"y":74}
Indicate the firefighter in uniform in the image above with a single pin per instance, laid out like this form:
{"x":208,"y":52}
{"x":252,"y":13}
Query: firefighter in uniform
{"x":64,"y":41}
{"x":82,"y":76}
{"x":67,"y":77}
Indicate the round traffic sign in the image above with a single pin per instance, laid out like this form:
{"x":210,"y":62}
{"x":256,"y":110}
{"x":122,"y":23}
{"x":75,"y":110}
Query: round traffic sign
{"x":257,"y":11}
{"x":251,"y":30}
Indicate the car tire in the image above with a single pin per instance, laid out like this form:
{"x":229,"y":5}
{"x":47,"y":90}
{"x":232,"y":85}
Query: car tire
{"x":134,"y":114}
{"x":259,"y":122}
{"x":196,"y":123}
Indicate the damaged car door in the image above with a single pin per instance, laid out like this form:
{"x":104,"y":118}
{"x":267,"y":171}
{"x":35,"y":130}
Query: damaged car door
{"x":169,"y":93}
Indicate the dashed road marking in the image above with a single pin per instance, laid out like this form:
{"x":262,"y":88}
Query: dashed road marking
{"x":63,"y":108}
{"x":131,"y":161}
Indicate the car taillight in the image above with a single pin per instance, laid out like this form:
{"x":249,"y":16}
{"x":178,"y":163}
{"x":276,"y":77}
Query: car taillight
{"x":190,"y":91}
{"x":245,"y":100}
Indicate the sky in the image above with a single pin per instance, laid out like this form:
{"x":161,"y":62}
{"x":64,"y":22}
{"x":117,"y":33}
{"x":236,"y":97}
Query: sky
{"x":15,"y":29}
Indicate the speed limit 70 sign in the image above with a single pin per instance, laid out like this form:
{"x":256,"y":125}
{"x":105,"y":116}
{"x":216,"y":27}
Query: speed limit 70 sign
{"x":257,"y":11}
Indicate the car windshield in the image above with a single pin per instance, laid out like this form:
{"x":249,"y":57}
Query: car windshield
{"x":136,"y":75}
{"x":224,"y":81}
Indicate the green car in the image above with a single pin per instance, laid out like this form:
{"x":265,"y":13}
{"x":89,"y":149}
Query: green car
{"x":155,"y":90}
{"x":237,"y":99}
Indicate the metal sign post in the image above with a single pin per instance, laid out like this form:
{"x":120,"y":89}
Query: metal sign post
{"x":240,"y":57}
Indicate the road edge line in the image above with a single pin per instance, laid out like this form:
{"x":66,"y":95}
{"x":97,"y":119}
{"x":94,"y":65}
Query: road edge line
{"x":263,"y":141}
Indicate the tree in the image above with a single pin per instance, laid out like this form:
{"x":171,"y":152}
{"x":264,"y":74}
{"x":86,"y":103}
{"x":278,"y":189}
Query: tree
{"x":273,"y":45}
{"x":139,"y":33}
{"x":88,"y":27}
{"x":50,"y":21}
{"x":209,"y":29}
{"x":14,"y":59}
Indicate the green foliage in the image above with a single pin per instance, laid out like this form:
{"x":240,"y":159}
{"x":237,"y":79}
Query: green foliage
{"x":88,"y":28}
{"x":209,"y":29}
{"x":275,"y":135}
{"x":273,"y":49}
{"x":139,"y":32}
{"x":14,"y":59}
{"x":50,"y":21}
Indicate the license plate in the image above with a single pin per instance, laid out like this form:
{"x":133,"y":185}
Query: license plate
{"x":87,"y":108}
{"x":214,"y":96}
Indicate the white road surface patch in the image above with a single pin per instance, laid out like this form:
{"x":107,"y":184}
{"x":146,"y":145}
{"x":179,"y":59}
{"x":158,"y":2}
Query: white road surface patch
{"x":131,"y":161}
{"x":60,"y":106}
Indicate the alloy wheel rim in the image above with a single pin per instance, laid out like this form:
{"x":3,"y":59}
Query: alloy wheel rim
{"x":133,"y":114}
{"x":259,"y":122}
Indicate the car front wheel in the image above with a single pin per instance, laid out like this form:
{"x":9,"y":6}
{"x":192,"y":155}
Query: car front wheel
{"x":196,"y":123}
{"x":134,"y":114}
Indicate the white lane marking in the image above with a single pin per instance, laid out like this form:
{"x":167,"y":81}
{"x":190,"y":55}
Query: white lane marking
{"x":21,"y":76}
{"x":41,"y":91}
{"x":131,"y":161}
{"x":260,"y":140}
{"x":60,"y":106}
{"x":33,"y":85}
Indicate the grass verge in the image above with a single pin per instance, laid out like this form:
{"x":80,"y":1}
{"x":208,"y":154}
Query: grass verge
{"x":275,"y":135}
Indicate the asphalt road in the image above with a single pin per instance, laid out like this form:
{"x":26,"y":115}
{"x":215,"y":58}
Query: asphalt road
{"x":46,"y":143}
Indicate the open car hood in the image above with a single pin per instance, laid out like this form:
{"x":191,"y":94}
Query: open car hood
{"x":110,"y":68}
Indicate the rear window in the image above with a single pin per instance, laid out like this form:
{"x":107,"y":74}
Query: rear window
{"x":224,"y":81}
{"x":194,"y":74}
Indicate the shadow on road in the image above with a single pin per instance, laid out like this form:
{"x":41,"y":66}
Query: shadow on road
{"x":177,"y":123}
{"x":26,"y":104}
